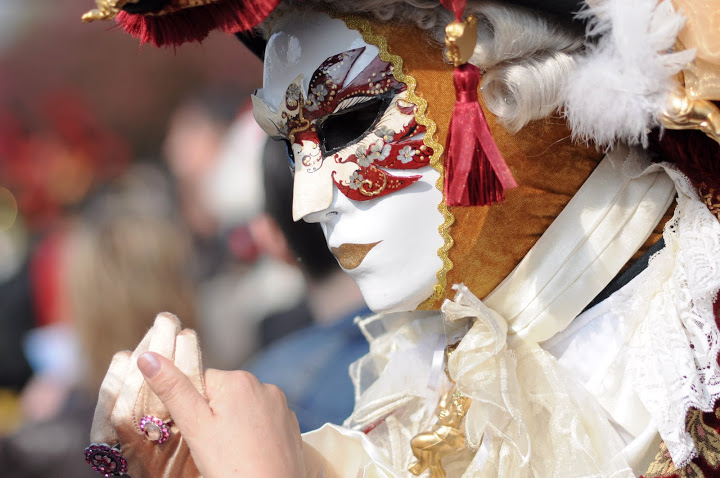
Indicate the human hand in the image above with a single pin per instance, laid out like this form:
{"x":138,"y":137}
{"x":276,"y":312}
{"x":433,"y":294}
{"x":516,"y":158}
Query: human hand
{"x":125,"y":399}
{"x":243,"y":429}
{"x":233,"y":425}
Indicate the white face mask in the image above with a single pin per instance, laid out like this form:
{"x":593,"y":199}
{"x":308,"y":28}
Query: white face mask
{"x":361,"y":168}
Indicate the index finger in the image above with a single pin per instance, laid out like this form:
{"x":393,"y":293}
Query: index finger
{"x":186,"y":405}
{"x":162,"y":342}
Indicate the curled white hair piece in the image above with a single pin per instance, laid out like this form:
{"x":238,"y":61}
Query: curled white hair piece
{"x":619,"y":88}
{"x":509,"y":33}
{"x":531,"y":89}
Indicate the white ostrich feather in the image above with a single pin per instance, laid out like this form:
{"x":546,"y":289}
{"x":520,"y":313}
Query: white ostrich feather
{"x":619,"y":87}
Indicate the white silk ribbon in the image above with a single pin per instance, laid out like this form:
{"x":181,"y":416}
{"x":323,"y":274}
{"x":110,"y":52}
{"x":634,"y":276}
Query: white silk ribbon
{"x":531,"y":419}
{"x":484,"y":369}
{"x":599,"y":230}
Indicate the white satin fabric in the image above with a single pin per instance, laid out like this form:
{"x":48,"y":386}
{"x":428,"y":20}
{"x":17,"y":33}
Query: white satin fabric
{"x":592,"y":404}
{"x":353,"y":455}
{"x":655,"y":343}
{"x":602,"y":226}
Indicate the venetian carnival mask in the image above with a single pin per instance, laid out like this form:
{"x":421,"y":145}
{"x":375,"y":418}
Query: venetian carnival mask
{"x":366,"y":138}
{"x":361,"y":167}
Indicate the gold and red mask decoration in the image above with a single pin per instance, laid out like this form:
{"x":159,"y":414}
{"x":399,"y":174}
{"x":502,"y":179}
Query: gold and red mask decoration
{"x":364,"y":125}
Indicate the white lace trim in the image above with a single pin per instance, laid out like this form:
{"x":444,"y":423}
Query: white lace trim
{"x":673,"y":352}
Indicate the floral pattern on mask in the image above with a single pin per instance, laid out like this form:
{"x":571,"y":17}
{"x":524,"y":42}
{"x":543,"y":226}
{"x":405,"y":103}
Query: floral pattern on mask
{"x":395,"y":140}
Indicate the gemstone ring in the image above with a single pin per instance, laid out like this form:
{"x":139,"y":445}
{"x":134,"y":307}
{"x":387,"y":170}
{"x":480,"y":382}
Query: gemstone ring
{"x":155,"y":429}
{"x":105,"y":459}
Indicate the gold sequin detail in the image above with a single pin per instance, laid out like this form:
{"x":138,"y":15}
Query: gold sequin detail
{"x":364,"y":27}
{"x":711,"y":197}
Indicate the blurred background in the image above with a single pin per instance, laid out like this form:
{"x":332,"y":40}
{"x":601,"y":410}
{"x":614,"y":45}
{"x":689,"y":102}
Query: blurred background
{"x":131,"y":182}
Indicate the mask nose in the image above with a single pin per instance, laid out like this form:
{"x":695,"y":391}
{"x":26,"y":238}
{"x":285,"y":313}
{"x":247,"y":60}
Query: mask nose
{"x":313,"y":186}
{"x":312,"y":193}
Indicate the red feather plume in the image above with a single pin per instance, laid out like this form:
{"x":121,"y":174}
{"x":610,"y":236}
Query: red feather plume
{"x":195,"y":23}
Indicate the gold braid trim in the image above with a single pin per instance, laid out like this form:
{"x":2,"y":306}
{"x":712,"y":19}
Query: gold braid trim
{"x":364,"y":27}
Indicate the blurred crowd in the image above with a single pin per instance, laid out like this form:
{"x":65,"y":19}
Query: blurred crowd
{"x":115,"y":206}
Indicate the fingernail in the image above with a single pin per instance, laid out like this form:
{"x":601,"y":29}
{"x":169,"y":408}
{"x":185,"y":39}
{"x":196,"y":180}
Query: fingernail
{"x":148,"y":364}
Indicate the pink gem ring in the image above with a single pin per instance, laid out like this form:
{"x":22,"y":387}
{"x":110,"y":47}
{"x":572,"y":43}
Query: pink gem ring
{"x":106,"y":460}
{"x":155,"y":429}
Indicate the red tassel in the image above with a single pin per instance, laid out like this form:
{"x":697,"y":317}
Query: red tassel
{"x":195,"y":23}
{"x":476,"y":174}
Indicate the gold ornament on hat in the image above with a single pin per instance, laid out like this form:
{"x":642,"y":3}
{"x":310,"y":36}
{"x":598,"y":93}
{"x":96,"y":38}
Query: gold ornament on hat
{"x":106,"y":10}
{"x":460,"y":40}
{"x":684,"y":112}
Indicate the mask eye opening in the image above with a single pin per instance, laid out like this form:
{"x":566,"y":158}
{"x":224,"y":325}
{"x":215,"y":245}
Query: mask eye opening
{"x":344,"y":128}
